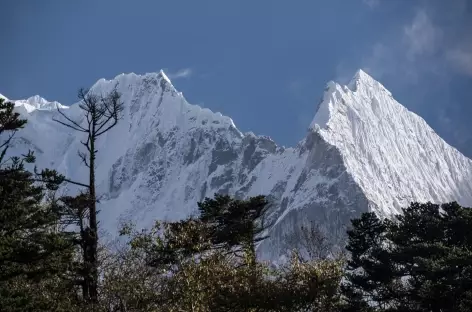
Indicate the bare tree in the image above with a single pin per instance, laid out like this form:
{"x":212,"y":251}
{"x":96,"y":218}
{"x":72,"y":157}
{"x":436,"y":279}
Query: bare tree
{"x":311,"y":242}
{"x":101,"y":114}
{"x":314,"y":241}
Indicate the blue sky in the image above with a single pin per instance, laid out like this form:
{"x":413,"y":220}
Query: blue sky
{"x":263,"y":63}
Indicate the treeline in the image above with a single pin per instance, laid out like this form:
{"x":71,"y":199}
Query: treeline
{"x":51,"y":258}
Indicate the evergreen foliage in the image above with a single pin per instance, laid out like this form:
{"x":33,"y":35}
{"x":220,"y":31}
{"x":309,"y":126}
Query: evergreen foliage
{"x":235,"y":224}
{"x":207,"y":263}
{"x":224,"y":223}
{"x":419,"y":261}
{"x":33,"y":251}
{"x":51,"y":260}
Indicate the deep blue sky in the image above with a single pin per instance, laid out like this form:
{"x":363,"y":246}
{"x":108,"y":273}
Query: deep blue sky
{"x":263,"y":63}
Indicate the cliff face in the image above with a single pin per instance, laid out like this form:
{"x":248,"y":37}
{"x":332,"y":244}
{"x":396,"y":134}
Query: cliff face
{"x":363,"y":151}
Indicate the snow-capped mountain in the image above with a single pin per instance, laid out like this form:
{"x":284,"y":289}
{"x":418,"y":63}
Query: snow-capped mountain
{"x":363,"y":151}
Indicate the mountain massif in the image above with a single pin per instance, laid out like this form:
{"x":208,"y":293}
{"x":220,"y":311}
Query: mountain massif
{"x":362,"y":152}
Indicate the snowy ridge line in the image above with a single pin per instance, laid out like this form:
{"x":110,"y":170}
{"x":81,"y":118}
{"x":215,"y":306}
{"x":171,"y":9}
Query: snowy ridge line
{"x":363,"y":151}
{"x":389,"y":148}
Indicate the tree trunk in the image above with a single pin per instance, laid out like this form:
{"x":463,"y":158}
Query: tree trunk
{"x":102,"y":114}
{"x":93,"y":224}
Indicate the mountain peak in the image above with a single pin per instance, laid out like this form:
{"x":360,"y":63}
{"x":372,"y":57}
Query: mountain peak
{"x":366,"y":152}
{"x":163,"y":75}
{"x":361,"y":77}
{"x":133,"y":79}
{"x":361,"y":74}
{"x":363,"y":80}
{"x":381,"y":140}
{"x":36,"y":100}
{"x":363,"y":95}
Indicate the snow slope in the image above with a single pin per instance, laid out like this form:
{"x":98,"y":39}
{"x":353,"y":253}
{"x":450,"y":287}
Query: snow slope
{"x":392,"y":153}
{"x":363,"y":151}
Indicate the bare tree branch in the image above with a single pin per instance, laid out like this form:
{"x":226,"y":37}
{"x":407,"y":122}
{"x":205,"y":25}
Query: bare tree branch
{"x":67,"y":125}
{"x":101,"y":114}
{"x":76,"y":183}
{"x":83,"y":157}
{"x":5,"y":146}
{"x":74,"y":125}
{"x":89,"y":121}
{"x":111,"y":106}
{"x":310,"y":242}
{"x":108,"y":128}
{"x":10,"y":137}
{"x":86,"y":144}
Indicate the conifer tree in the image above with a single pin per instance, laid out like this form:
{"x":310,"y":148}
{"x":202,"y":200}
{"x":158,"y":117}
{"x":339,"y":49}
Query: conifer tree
{"x":31,"y":248}
{"x":367,"y":237}
{"x":421,"y":260}
{"x":197,"y":266}
{"x":235,"y":224}
{"x":101,"y":114}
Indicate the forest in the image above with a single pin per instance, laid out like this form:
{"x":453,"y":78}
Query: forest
{"x":52,"y":258}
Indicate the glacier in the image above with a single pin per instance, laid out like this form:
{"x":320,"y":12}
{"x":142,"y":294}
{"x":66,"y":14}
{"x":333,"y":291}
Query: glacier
{"x":363,"y":151}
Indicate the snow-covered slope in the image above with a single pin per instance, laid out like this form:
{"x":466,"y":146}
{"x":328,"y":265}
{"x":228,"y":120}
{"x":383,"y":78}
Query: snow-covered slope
{"x":392,"y":153}
{"x":363,"y":151}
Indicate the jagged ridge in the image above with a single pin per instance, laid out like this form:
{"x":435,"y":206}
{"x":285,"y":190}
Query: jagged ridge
{"x":362,"y":151}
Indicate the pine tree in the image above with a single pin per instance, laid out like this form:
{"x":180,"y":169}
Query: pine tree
{"x":366,"y":241}
{"x":32,"y":250}
{"x":421,"y":260}
{"x":197,"y":266}
{"x":235,"y":224}
{"x":101,"y":115}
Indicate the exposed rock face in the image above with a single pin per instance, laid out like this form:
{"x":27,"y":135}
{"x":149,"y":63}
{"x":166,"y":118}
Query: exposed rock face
{"x":363,"y":152}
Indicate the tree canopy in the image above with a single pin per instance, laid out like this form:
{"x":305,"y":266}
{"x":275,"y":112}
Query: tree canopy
{"x":421,"y":260}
